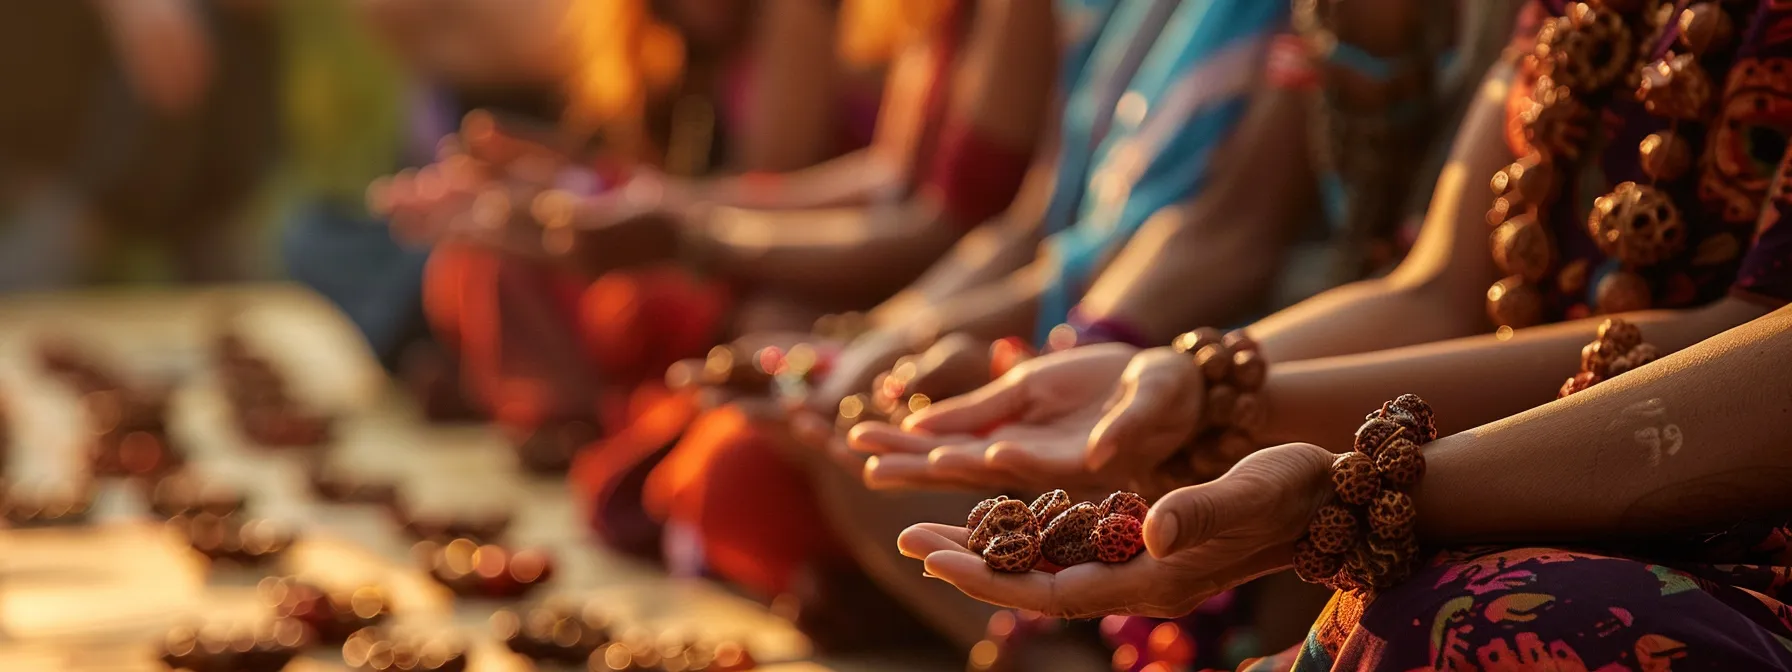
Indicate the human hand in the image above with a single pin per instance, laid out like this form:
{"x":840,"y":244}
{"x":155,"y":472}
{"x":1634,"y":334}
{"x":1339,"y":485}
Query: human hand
{"x":1201,"y":540}
{"x":955,"y":365}
{"x":1097,"y":418}
{"x":163,"y":48}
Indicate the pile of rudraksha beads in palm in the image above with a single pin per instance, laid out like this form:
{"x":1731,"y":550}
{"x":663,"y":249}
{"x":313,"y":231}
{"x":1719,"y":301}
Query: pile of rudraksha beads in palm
{"x":1054,"y":533}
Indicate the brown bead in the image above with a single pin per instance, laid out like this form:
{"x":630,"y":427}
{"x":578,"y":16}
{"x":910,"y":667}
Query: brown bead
{"x":1355,"y":479}
{"x":1375,"y":433}
{"x":1125,"y":504}
{"x":1621,"y":334}
{"x":1221,"y":400}
{"x":1416,"y":406}
{"x":1555,"y":123}
{"x":1400,"y":463}
{"x":1665,"y":155}
{"x":1313,"y":566}
{"x":1215,"y":361}
{"x":1638,"y":356}
{"x":1193,"y":341}
{"x":1248,"y":369}
{"x":1249,"y":413}
{"x":1579,"y":383}
{"x":1597,"y":357}
{"x":1047,"y":506}
{"x":1705,"y":26}
{"x":1118,"y":538}
{"x":1392,"y":514}
{"x":1067,"y":540}
{"x":982,"y":509}
{"x":1513,"y":303}
{"x":1008,"y":517}
{"x":1012,"y":553}
{"x":1239,"y":341}
{"x":1586,"y":50}
{"x":1526,"y":181}
{"x":1522,"y":247}
{"x":1334,"y":529}
{"x":1637,"y":224}
{"x":1675,"y":87}
{"x":1623,"y":292}
{"x":1573,"y":278}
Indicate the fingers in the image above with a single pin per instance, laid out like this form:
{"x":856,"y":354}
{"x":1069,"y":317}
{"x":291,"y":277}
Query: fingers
{"x":877,"y":438}
{"x":920,"y":541}
{"x":973,"y":413}
{"x":955,"y":365}
{"x":1081,"y":591}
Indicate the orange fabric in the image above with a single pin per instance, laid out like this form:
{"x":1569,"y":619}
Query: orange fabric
{"x":757,"y":514}
{"x":635,"y":324}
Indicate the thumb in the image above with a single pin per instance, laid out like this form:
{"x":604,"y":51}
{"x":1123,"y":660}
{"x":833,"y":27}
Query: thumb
{"x":1144,"y":398}
{"x":1189,"y":517}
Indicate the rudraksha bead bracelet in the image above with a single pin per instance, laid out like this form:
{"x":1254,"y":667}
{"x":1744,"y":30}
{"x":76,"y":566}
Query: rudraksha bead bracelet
{"x":1363,"y":539}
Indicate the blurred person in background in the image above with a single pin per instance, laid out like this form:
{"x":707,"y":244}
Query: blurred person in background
{"x":136,"y":135}
{"x":686,"y":89}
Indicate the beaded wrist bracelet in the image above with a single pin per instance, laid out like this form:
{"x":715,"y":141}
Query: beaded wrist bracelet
{"x":1362,"y":540}
{"x":1234,"y":371}
{"x":1619,"y":348}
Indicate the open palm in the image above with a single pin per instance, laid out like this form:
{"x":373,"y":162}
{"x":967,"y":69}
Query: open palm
{"x":1097,"y":418}
{"x":1201,"y":540}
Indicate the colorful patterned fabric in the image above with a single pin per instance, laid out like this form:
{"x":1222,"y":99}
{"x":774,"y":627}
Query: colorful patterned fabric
{"x":1152,"y":147}
{"x":1558,"y":609}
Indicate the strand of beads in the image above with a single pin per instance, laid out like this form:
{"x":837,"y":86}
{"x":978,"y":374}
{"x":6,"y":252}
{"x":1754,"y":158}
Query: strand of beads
{"x":1363,"y":540}
{"x":1233,"y":370}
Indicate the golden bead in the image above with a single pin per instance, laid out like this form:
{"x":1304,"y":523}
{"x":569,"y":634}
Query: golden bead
{"x":1665,"y":155}
{"x":1675,"y":87}
{"x":1588,"y":50}
{"x":1637,"y":224}
{"x":1522,"y":247}
{"x":1555,"y":122}
{"x":1704,"y":26}
{"x":1513,"y":303}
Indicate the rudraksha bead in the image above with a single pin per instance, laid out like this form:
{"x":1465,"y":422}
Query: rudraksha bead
{"x":1400,"y":463}
{"x":1010,"y":516}
{"x":982,"y":509}
{"x":1355,"y":479}
{"x":1118,"y":538}
{"x":1555,"y":123}
{"x":1012,"y":553}
{"x":1221,"y":399}
{"x":1249,"y":413}
{"x":1248,"y":369}
{"x":1126,"y":504}
{"x":1334,"y":529}
{"x":1587,"y":50}
{"x":1621,"y":334}
{"x":1192,"y":342}
{"x":1047,"y":506}
{"x":1069,"y":538}
{"x":1215,"y":361}
{"x":1376,"y":432}
{"x":1392,"y":514}
{"x":1315,"y":567}
{"x":1579,"y":383}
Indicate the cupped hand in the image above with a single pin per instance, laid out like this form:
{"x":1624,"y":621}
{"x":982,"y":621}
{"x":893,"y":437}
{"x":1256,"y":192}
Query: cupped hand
{"x":1097,"y":418}
{"x":1200,"y":540}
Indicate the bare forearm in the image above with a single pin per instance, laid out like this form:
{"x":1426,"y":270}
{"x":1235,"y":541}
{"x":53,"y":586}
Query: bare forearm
{"x":1469,"y":381}
{"x":1693,"y":442}
{"x":1438,"y":291}
{"x":853,"y":179}
{"x":850,"y":254}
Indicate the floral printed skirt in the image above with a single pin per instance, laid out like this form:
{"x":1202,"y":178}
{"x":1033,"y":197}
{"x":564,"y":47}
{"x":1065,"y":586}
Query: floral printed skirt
{"x":1719,"y":604}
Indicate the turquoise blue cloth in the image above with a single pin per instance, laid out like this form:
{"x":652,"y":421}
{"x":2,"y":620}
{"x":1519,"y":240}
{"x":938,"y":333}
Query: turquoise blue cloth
{"x":1153,"y":148}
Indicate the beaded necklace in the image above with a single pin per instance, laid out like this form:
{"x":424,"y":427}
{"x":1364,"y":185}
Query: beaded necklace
{"x":1659,"y":52}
